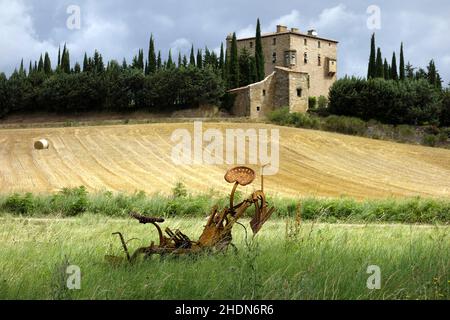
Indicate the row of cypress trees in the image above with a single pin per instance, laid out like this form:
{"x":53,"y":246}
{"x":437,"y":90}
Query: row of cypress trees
{"x":379,"y":68}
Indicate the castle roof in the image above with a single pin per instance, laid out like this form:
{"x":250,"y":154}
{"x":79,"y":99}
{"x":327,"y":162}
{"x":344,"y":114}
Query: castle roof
{"x":298,"y":33}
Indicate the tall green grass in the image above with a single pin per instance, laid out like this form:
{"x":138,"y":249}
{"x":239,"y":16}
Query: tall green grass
{"x":74,"y":202}
{"x":286,"y":260}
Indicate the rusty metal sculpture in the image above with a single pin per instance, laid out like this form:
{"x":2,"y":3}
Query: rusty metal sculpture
{"x":217,"y":232}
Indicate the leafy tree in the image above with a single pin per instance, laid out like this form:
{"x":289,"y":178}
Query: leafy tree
{"x":259,"y":53}
{"x":409,"y":70}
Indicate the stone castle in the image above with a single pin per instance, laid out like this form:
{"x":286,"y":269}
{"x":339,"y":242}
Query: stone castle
{"x":297,"y":65}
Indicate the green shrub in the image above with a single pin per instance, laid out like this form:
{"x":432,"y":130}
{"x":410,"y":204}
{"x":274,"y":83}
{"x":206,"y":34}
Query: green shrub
{"x":346,"y":125}
{"x":179,"y":191}
{"x":70,"y":202}
{"x":19,"y":204}
{"x":312,"y":103}
{"x":429,"y":140}
{"x":322,"y":103}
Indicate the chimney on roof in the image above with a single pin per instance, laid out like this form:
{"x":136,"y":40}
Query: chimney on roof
{"x":295,"y":30}
{"x":281,"y":28}
{"x":312,"y":32}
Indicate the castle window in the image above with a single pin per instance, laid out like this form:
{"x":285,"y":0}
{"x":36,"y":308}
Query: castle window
{"x":274,"y":41}
{"x":251,"y":44}
{"x":264,"y":93}
{"x":305,"y":58}
{"x":299,"y":92}
{"x":258,"y":109}
{"x":274,"y":57}
{"x":318,"y":44}
{"x":319,"y":60}
{"x":306,"y":42}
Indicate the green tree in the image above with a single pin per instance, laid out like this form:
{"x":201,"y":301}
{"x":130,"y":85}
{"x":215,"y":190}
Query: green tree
{"x":409,"y":70}
{"x":152,"y":63}
{"x":192,"y":57}
{"x":41,"y":64}
{"x":379,"y":65}
{"x":222,"y":61}
{"x":170,"y":63}
{"x":199,"y":59}
{"x":394,"y":72}
{"x":233,"y":73}
{"x":402,"y":64}
{"x":386,"y":70}
{"x":371,"y":73}
{"x":259,"y":53}
{"x":245,"y":68}
{"x":47,"y":64}
{"x":159,"y":61}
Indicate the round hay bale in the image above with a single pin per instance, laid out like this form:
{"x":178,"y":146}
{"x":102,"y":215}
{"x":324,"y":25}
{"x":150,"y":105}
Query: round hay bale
{"x":41,"y":144}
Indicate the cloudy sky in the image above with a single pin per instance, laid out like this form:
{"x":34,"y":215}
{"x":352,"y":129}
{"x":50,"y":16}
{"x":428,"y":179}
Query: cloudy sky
{"x":119,"y":28}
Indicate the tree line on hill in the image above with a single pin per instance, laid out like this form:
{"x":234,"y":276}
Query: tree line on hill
{"x":395,"y":94}
{"x":147,"y":83}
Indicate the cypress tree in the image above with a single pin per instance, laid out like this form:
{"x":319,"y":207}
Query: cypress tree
{"x":432,"y":73}
{"x":185,"y":61}
{"x":30,"y":68}
{"x":394,"y":72}
{"x":47,"y":64}
{"x":371,"y":73}
{"x":233,"y":74}
{"x":259,"y":53}
{"x":124,"y":64}
{"x":170,"y":60}
{"x":152,"y":63}
{"x":85,"y":63}
{"x":141,"y":59}
{"x":386,"y":70}
{"x":59,"y":57}
{"x":379,"y":65}
{"x":199,"y":59}
{"x":159,"y":61}
{"x":192,"y":57}
{"x":21,"y":69}
{"x":221,"y":61}
{"x":180,"y":61}
{"x":402,"y":64}
{"x":41,"y":64}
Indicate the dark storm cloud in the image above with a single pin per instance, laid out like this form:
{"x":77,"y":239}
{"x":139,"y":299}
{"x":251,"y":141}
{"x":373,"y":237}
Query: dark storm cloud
{"x":119,"y":28}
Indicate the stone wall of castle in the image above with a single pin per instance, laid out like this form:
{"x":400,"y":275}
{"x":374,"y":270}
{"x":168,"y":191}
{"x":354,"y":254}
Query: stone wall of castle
{"x":282,"y":88}
{"x":275,"y":46}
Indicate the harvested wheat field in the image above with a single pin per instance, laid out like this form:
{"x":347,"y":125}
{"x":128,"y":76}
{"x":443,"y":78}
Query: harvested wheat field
{"x":138,"y":157}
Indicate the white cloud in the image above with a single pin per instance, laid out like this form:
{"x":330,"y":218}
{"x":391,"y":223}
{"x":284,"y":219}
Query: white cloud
{"x":18,"y":36}
{"x":180,"y":45}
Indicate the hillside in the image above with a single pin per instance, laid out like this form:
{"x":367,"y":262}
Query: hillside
{"x":138,"y":157}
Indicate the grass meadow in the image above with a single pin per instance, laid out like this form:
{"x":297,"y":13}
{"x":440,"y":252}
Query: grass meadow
{"x":287,"y":260}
